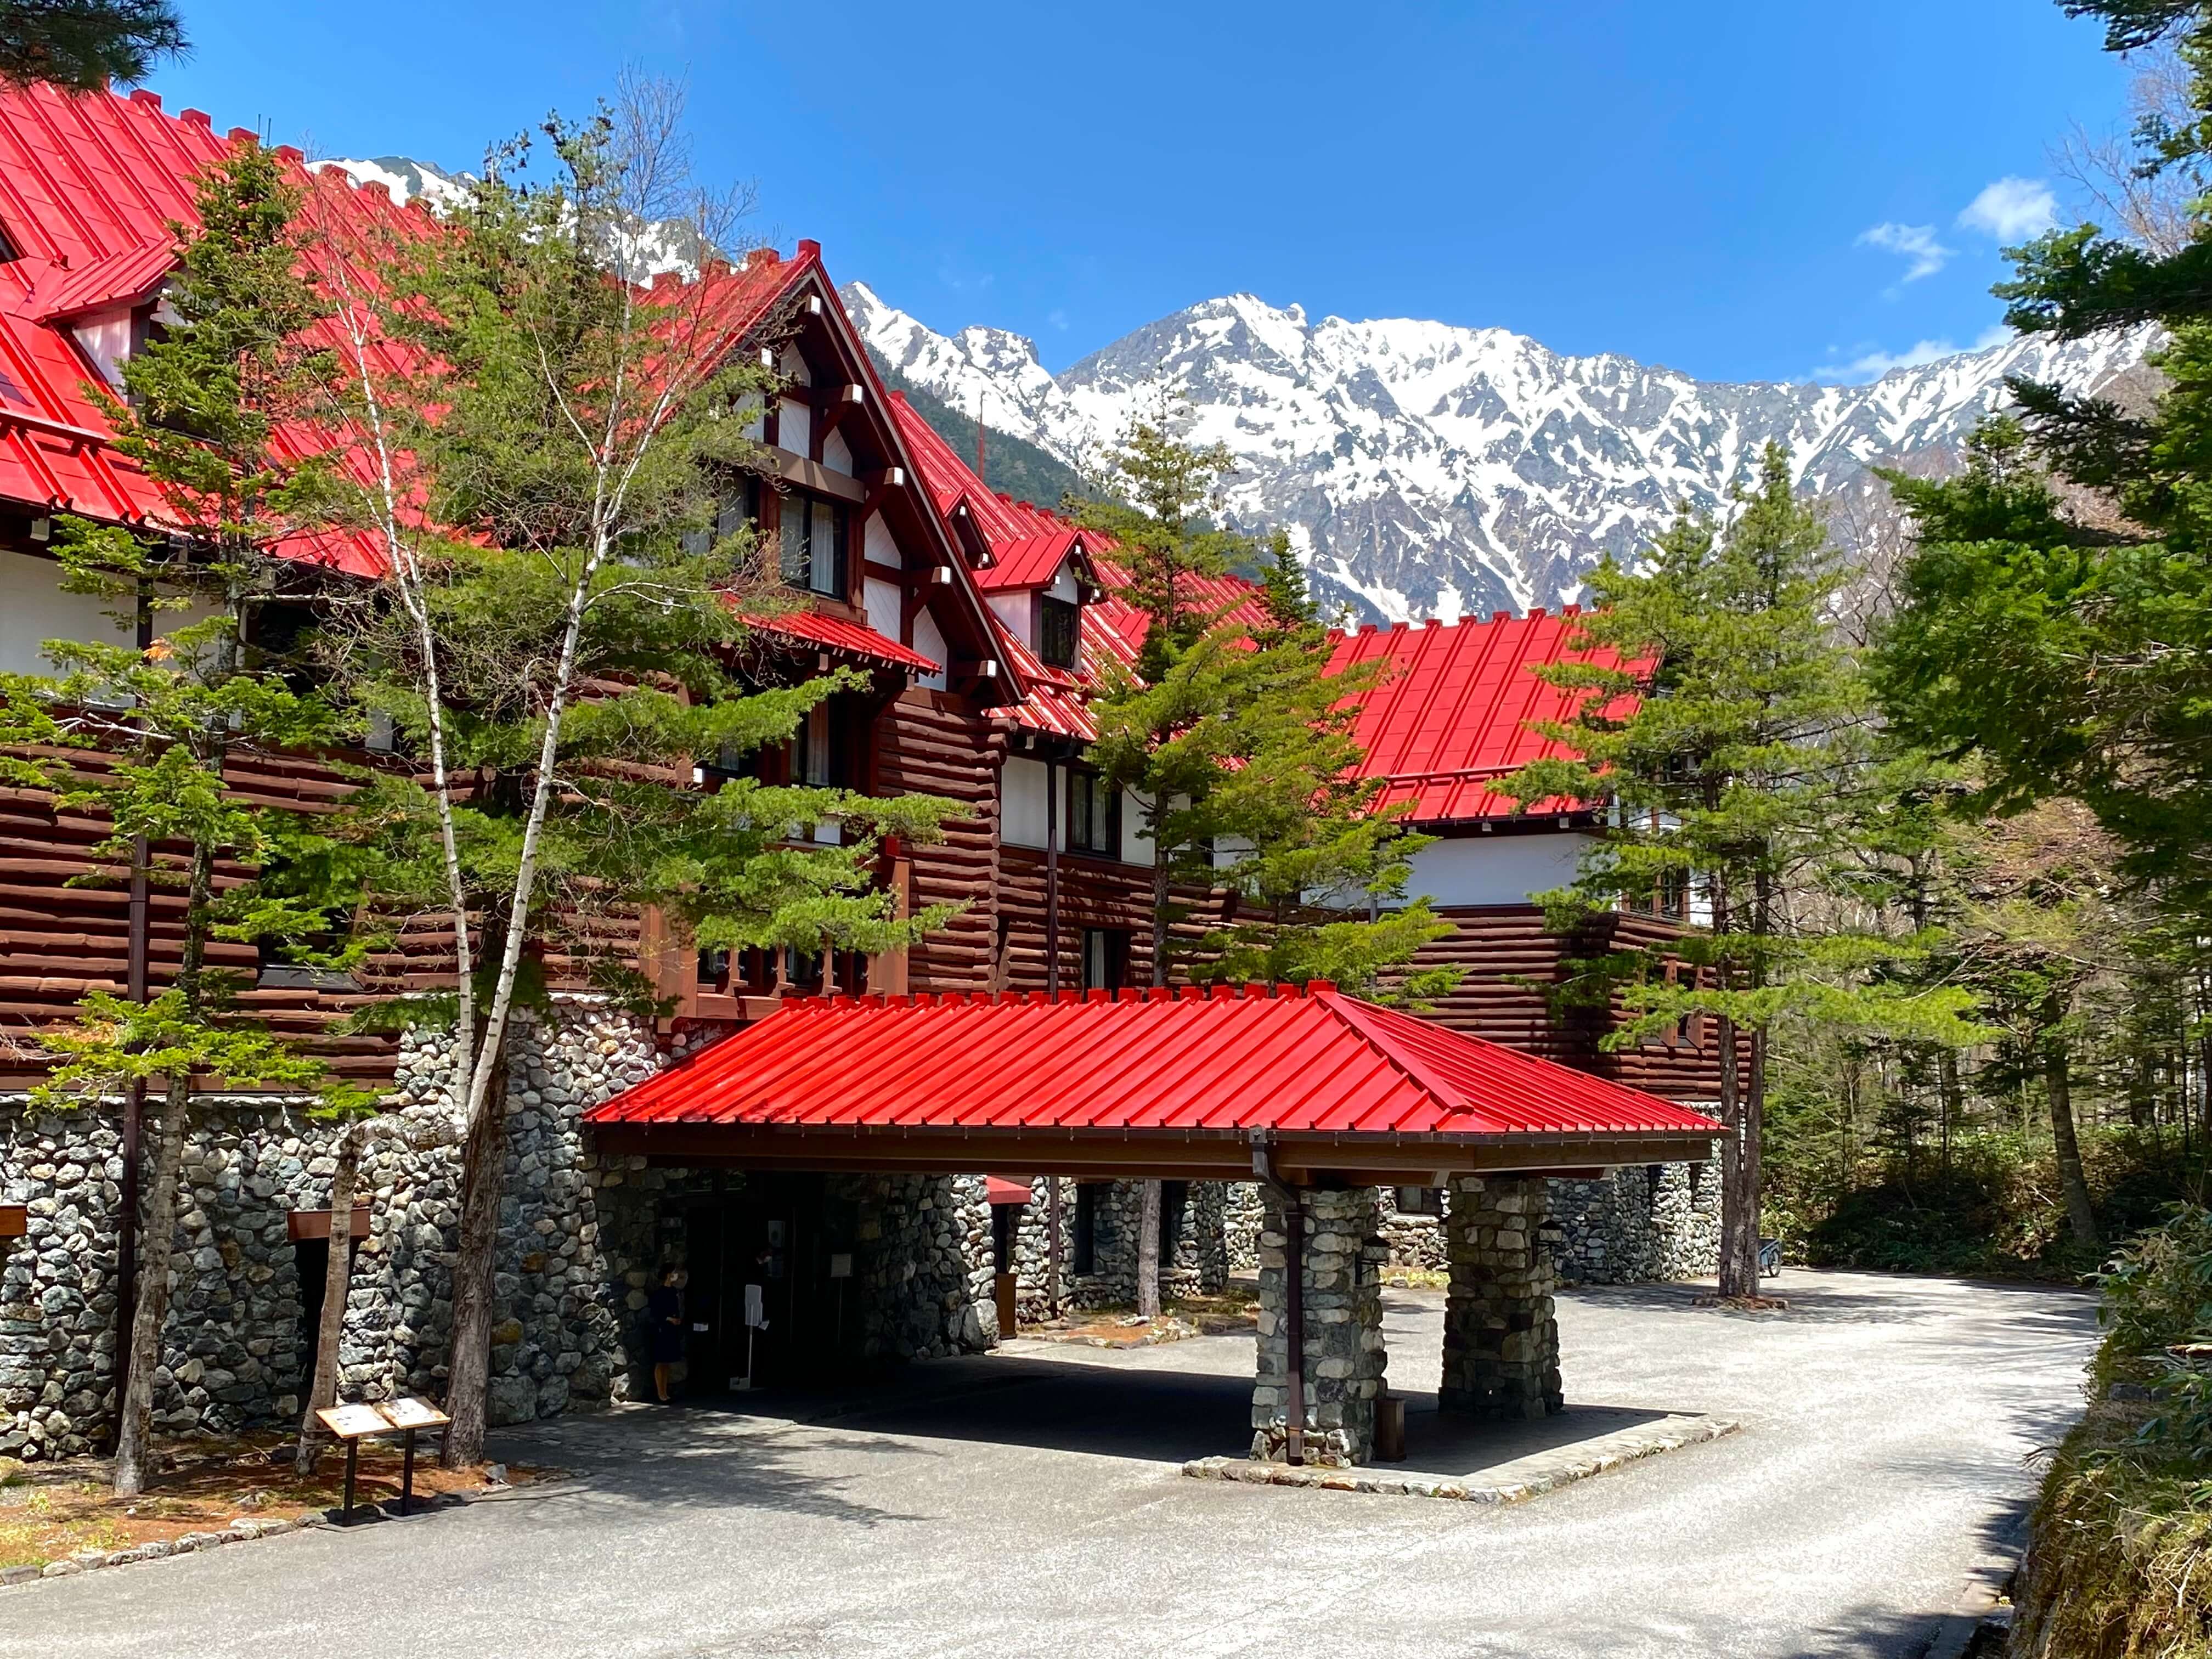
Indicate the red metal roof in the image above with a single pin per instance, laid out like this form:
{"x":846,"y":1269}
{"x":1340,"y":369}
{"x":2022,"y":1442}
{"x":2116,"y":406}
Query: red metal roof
{"x":854,"y":639}
{"x":1458,"y":708}
{"x":89,"y":186}
{"x":1008,"y":1189}
{"x":1189,"y":1060}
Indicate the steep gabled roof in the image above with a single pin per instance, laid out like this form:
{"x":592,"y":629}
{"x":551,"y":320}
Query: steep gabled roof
{"x":1457,"y":708}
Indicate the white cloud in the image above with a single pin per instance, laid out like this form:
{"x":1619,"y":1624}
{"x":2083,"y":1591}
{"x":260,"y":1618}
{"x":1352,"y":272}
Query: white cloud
{"x":2012,"y":209}
{"x":1915,"y":243}
{"x":1873,"y":363}
{"x":1058,"y":319}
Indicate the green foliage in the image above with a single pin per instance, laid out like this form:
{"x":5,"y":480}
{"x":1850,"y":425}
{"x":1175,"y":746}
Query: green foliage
{"x":206,"y":398}
{"x":579,"y":441}
{"x":1237,"y":740}
{"x":1743,"y":772}
{"x":81,"y":44}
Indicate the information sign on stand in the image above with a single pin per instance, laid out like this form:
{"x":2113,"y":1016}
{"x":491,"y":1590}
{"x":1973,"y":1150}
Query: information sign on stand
{"x":354,"y":1424}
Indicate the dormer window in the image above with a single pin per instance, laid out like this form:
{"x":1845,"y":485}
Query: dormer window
{"x":7,"y":253}
{"x":1058,"y":624}
{"x":107,"y":338}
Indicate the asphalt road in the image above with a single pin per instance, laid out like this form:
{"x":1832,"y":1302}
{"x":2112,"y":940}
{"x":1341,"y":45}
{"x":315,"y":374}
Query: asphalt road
{"x":1027,"y":1504}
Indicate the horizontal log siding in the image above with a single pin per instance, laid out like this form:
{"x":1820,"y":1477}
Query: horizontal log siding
{"x":1509,"y":960}
{"x":928,"y":743}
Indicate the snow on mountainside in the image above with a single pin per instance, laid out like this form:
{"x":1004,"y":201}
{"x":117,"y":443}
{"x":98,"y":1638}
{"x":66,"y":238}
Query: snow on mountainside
{"x":1430,"y":470}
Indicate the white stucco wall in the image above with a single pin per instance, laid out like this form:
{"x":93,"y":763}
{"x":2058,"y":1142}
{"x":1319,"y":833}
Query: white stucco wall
{"x":877,"y":543}
{"x":884,"y":607}
{"x":1022,"y":805}
{"x":834,"y":454}
{"x":1495,"y":869}
{"x":34,"y":609}
{"x":929,"y":640}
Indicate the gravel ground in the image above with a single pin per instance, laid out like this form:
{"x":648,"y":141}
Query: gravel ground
{"x":1027,"y":1502}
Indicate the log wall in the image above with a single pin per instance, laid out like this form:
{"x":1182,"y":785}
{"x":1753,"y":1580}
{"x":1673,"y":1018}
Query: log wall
{"x":1511,"y":963}
{"x":930,"y":742}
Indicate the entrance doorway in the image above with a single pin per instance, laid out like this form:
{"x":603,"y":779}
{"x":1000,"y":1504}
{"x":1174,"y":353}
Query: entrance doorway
{"x":792,"y":1238}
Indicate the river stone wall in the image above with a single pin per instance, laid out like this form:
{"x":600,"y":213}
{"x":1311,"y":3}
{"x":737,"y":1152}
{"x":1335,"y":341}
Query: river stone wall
{"x":1342,"y":1340}
{"x":1501,"y":1331}
{"x":1204,"y":1256}
{"x":1631,"y":1226}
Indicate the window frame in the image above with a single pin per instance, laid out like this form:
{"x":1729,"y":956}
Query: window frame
{"x":1096,"y":840}
{"x":797,"y":512}
{"x":1059,"y":623}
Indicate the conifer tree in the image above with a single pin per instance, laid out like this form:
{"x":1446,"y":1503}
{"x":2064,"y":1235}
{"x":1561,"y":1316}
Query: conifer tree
{"x":1727,"y":724}
{"x":207,"y":398}
{"x":1236,"y":742}
{"x":81,"y":44}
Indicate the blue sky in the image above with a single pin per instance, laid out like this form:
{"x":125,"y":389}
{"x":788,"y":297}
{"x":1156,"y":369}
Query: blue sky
{"x":1740,"y":190}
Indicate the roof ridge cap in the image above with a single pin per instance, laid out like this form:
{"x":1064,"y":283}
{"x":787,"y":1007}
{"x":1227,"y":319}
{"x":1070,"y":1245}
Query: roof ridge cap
{"x":1343,"y":1006}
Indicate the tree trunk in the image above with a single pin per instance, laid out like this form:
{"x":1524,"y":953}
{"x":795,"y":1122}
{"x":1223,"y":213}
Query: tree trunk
{"x":1739,"y":1263}
{"x":1950,"y":1099}
{"x":2057,"y":1083}
{"x":468,"y":1375}
{"x":1148,"y":1252}
{"x":135,"y":1427}
{"x":338,"y":1280}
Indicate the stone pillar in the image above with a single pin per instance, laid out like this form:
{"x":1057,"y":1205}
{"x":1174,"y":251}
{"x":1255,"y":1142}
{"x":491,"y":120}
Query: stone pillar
{"x":1343,"y":1345}
{"x":1501,"y":1338}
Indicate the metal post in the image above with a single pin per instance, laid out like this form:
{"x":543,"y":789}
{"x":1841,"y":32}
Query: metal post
{"x":1052,"y":1247}
{"x":1294,"y":1319}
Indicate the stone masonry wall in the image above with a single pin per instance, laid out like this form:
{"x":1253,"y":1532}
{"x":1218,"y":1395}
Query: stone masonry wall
{"x":1342,"y":1342}
{"x":1501,"y":1332}
{"x":1624,"y":1228}
{"x":236,"y":1349}
{"x":1203,"y":1258}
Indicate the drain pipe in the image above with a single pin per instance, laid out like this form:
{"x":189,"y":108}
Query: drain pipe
{"x":1294,"y":1298}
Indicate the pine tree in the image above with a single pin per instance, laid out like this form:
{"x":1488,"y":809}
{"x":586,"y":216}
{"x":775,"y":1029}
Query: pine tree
{"x":208,"y":397}
{"x":1236,"y":741}
{"x":81,"y":44}
{"x":1727,"y":724}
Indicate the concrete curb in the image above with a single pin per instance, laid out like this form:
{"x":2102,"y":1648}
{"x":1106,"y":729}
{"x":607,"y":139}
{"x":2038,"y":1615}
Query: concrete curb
{"x":239,"y":1532}
{"x":1632,"y":1445}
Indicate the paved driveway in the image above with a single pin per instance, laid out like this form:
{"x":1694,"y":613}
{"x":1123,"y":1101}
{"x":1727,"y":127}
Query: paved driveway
{"x":1028,"y":1505}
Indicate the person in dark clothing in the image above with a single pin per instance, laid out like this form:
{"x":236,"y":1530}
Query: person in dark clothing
{"x":664,"y":1313}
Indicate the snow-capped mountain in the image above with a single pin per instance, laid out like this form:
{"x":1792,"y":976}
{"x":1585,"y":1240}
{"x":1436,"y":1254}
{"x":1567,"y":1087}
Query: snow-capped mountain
{"x":1430,"y":470}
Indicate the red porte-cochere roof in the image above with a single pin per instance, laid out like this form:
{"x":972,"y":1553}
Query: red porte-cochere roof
{"x":1458,"y":707}
{"x":1187,"y":1061}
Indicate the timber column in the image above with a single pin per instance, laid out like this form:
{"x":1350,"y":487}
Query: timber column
{"x":1501,"y":1334}
{"x":1341,"y":1376}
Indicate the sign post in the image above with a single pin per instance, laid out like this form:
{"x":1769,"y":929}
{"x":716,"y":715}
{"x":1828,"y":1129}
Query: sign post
{"x":356,"y":1422}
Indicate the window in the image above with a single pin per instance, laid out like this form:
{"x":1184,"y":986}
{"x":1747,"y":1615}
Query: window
{"x":815,"y":758}
{"x":1105,"y":959}
{"x":1086,"y":1230}
{"x":8,"y":254}
{"x":1175,"y":1198}
{"x":1058,"y":624}
{"x":1094,"y":815}
{"x":1420,"y":1201}
{"x":733,"y":514}
{"x":813,"y":544}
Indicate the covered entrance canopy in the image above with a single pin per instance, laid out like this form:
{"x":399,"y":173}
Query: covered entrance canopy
{"x":1302,"y":1084}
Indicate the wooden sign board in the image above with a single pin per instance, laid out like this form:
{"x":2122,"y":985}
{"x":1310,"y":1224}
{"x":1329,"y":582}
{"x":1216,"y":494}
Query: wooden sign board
{"x":411,"y":1413}
{"x":15,"y":1220}
{"x":351,"y":1422}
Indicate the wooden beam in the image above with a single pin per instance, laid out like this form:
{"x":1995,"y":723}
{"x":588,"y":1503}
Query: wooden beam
{"x":812,"y":475}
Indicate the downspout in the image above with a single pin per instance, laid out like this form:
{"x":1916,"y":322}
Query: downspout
{"x":136,"y":988}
